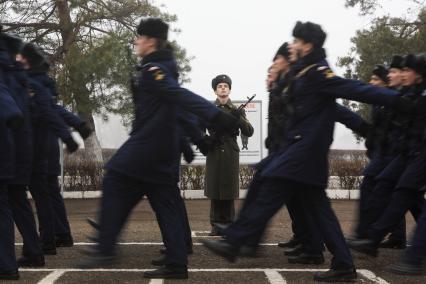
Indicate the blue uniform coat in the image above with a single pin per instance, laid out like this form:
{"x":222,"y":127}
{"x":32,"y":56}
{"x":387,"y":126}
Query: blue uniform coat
{"x":150,"y":154}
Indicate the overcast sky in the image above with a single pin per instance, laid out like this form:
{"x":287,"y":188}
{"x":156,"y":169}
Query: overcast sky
{"x":239,"y":38}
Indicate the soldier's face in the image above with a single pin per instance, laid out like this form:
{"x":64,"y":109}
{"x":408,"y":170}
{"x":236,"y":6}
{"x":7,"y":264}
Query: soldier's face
{"x":298,"y":49}
{"x":395,"y":77}
{"x":281,"y":64}
{"x":144,"y":45}
{"x":376,"y":81}
{"x":409,"y":77}
{"x":222,"y":90}
{"x":23,"y":61}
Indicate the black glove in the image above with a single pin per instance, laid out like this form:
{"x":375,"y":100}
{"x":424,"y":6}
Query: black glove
{"x":224,"y":122}
{"x":72,"y":146}
{"x":404,"y":105}
{"x":205,"y":144}
{"x":84,"y":130}
{"x":364,"y":129}
{"x":187,"y":152}
{"x":238,"y":113}
{"x":15,"y":121}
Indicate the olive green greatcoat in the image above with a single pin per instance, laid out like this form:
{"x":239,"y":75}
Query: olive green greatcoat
{"x":222,"y":166}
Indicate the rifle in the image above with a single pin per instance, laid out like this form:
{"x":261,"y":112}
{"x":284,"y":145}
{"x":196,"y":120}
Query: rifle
{"x":249,"y":99}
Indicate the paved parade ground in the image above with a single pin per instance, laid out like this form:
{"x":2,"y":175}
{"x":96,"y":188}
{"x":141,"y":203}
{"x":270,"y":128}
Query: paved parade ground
{"x":141,"y":241}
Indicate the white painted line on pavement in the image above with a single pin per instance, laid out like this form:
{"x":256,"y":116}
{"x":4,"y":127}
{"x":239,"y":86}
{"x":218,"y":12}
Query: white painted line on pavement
{"x":372,"y":276}
{"x":52,"y":277}
{"x":144,"y":244}
{"x":274,"y":277}
{"x":156,"y":281}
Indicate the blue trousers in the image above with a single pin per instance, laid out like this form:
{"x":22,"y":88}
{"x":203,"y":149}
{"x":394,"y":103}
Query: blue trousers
{"x":62,"y":226}
{"x":46,"y":217}
{"x":7,"y":234}
{"x":121,"y":194}
{"x":403,"y":200}
{"x":24,"y":220}
{"x":185,"y":222}
{"x":272,"y":195}
{"x":416,"y":253}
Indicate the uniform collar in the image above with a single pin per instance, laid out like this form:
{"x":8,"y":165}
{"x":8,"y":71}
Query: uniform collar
{"x":228,"y":103}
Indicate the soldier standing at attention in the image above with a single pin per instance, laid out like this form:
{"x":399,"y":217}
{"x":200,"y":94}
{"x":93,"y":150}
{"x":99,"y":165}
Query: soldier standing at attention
{"x":222,"y":166}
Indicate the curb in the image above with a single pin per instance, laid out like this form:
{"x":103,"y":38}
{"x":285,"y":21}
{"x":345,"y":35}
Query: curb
{"x":351,"y":194}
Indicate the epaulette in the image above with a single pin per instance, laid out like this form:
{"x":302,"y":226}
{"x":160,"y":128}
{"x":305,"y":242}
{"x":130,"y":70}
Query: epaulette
{"x":156,"y":71}
{"x":326,"y":71}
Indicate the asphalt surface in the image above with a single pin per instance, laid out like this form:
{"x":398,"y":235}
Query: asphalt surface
{"x":143,"y":230}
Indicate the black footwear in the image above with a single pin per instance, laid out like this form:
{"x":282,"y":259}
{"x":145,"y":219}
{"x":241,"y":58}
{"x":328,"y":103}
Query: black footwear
{"x":97,"y":260}
{"x":248,"y":251}
{"x":93,"y":223}
{"x":31,"y":261}
{"x":405,"y":268}
{"x":49,"y":249}
{"x":220,"y":228}
{"x":305,"y":258}
{"x":294,"y":251}
{"x":365,"y":246}
{"x":168,"y":272}
{"x":9,"y":275}
{"x":215,"y":232}
{"x":159,"y":261}
{"x":393,"y":244}
{"x":222,"y":248}
{"x":64,"y":242}
{"x":291,"y":243}
{"x":336,"y":275}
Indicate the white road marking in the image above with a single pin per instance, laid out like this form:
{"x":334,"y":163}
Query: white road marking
{"x":156,"y":281}
{"x":271,"y":273}
{"x":372,"y":276}
{"x":52,"y":277}
{"x":144,"y":244}
{"x":274,"y":277}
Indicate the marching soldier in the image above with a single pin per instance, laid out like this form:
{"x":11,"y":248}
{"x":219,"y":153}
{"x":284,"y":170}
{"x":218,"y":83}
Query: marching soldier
{"x":222,"y":165}
{"x":300,"y":166}
{"x":410,"y":173}
{"x":146,"y":163}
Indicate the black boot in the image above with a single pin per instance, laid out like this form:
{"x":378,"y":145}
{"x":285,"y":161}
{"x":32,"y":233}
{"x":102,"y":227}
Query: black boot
{"x":9,"y":275}
{"x":64,"y":241}
{"x":291,"y":243}
{"x":171,"y":271}
{"x":222,"y":248}
{"x":393,"y":244}
{"x":97,"y":260}
{"x":406,"y":268}
{"x":49,"y":249}
{"x":294,"y":251}
{"x":336,"y":275}
{"x":305,"y":258}
{"x":31,"y":261}
{"x":365,"y":246}
{"x":159,"y":261}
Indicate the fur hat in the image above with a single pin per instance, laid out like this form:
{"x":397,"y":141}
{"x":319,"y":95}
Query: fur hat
{"x":34,"y":55}
{"x":221,"y":79}
{"x":416,"y":62}
{"x":12,"y":42}
{"x":283,"y":51}
{"x":153,"y":27}
{"x":381,"y":72}
{"x":310,"y":33}
{"x":397,"y":61}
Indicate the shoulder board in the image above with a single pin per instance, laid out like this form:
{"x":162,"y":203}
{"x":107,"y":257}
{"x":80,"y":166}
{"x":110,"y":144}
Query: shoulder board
{"x":326,"y":71}
{"x":157,"y":73}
